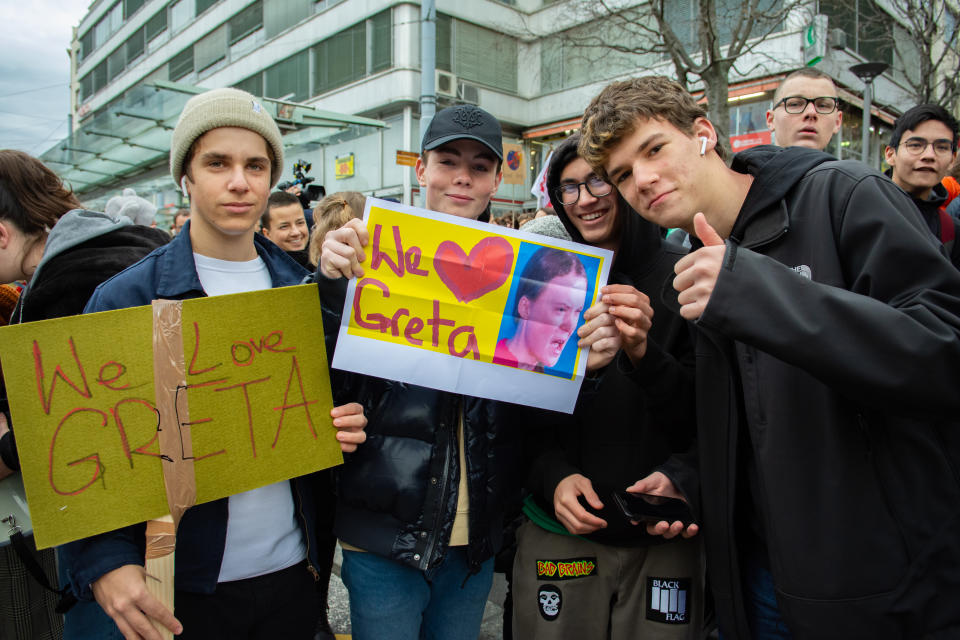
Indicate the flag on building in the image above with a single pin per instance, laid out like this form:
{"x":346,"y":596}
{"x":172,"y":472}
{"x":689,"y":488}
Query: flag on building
{"x":539,"y":189}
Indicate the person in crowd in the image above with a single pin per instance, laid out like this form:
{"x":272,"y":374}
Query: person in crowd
{"x":548,"y":225}
{"x":952,"y":185}
{"x":141,"y":211}
{"x":179,"y":219}
{"x":546,"y":310}
{"x":826,"y":375}
{"x":64,"y":252}
{"x":420,"y":507}
{"x":227,"y":153}
{"x":806,"y":110}
{"x":283,"y":224}
{"x":334,"y":211}
{"x":632,"y":415}
{"x":923,"y":147}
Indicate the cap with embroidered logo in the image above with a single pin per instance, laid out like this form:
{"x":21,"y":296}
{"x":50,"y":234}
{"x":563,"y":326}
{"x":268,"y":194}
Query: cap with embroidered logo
{"x":464,"y":121}
{"x":223,"y":108}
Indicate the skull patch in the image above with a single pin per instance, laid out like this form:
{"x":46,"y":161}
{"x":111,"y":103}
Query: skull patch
{"x":550,"y":601}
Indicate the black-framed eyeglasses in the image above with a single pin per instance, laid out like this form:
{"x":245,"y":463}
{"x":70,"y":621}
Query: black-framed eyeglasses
{"x":798,"y":104}
{"x":569,"y":193}
{"x":916,"y":146}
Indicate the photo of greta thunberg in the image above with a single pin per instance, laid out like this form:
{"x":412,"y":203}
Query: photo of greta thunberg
{"x":546,"y":307}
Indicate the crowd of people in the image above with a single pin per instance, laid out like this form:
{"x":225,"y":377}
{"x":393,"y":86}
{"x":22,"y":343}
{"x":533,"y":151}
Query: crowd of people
{"x":785,"y":364}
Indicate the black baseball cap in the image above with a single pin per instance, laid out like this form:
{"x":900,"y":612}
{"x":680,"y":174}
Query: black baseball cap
{"x":464,"y":121}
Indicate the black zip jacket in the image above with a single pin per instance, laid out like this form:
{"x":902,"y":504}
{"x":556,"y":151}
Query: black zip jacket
{"x":627,"y":420}
{"x":930,"y":210}
{"x":397,"y":494}
{"x":839,"y":316}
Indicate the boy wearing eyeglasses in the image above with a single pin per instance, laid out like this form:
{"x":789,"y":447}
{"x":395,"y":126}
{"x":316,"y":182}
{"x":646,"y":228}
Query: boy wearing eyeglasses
{"x":609,"y":578}
{"x":806,"y":110}
{"x":922,"y":147}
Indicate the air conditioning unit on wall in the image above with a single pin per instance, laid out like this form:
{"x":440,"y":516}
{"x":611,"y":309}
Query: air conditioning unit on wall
{"x":468,"y":93}
{"x":446,"y":84}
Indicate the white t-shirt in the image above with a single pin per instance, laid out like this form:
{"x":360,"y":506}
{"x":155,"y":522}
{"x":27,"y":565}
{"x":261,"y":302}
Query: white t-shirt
{"x":262,"y":531}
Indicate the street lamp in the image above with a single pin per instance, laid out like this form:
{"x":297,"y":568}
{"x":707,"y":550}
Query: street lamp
{"x":867,"y":71}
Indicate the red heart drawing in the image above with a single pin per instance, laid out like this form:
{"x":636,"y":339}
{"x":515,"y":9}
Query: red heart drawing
{"x":484,"y":270}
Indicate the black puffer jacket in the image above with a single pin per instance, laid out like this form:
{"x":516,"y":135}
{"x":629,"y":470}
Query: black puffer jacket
{"x":627,"y":420}
{"x":397,"y":495}
{"x":828,"y":362}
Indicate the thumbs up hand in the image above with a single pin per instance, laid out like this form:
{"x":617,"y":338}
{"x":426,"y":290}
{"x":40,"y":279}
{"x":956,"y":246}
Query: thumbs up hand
{"x":697,"y":272}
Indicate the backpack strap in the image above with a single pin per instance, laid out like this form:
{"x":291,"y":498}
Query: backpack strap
{"x":67,"y":599}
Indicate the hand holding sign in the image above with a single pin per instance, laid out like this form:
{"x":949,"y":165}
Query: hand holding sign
{"x":342,"y":251}
{"x":697,"y":272}
{"x":599,"y":334}
{"x":123,"y":595}
{"x":349,"y":421}
{"x":633,"y":317}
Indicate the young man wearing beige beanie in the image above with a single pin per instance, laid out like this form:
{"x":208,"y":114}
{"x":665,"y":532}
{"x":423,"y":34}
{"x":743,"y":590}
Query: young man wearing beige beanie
{"x":244,"y":564}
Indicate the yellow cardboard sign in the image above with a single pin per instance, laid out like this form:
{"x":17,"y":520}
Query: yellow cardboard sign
{"x":429,"y":301}
{"x":467,"y":307}
{"x":81,"y":394}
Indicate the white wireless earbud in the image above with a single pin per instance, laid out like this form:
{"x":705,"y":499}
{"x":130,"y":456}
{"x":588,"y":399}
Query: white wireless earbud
{"x":183,"y":185}
{"x":703,"y":145}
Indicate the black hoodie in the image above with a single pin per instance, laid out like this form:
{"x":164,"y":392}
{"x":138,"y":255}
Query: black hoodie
{"x":616,"y":434}
{"x":828,"y":360}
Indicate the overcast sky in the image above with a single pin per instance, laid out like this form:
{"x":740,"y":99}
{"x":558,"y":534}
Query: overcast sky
{"x":35,"y":71}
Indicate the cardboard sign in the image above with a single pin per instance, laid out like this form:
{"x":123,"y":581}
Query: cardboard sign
{"x":82,"y":399}
{"x":464,"y":306}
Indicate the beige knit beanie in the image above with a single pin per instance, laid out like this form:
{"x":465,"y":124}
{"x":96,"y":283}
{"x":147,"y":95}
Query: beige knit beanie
{"x":223,"y":108}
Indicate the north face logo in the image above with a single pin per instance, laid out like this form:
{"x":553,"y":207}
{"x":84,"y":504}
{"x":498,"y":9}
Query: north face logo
{"x":804,"y":271}
{"x":668,"y":600}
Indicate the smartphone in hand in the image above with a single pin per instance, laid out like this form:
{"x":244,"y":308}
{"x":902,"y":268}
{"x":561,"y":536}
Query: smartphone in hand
{"x":646,"y":507}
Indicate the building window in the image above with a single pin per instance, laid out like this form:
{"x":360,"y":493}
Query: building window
{"x":476,"y":54}
{"x":245,"y":22}
{"x":211,"y":48}
{"x":130,"y":7}
{"x":381,"y":47}
{"x":203,"y":5}
{"x":181,"y":14}
{"x":342,"y":58}
{"x":253,"y":84}
{"x":100,"y":76}
{"x":181,"y":64}
{"x":586,"y":54}
{"x":86,"y":86}
{"x":116,"y":62}
{"x":156,"y":25}
{"x":109,"y":23}
{"x":135,"y":44}
{"x":444,"y":29}
{"x":869,"y":29}
{"x":280,"y":15}
{"x":86,"y":45}
{"x":290,"y":78}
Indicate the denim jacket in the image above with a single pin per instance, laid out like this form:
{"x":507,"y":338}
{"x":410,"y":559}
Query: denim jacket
{"x":170,"y":273}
